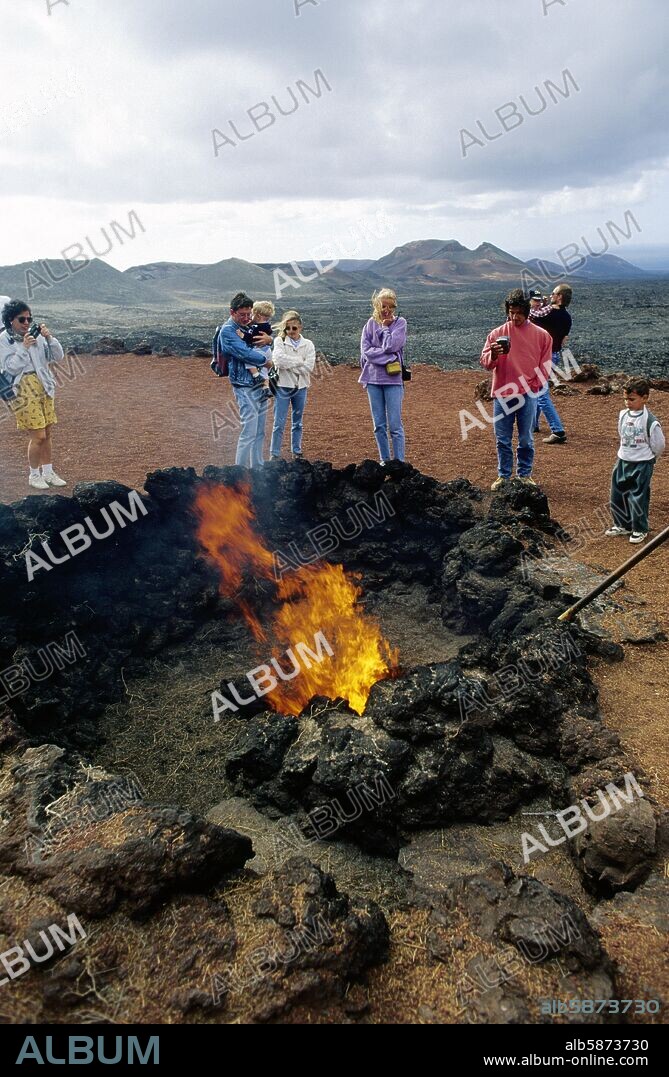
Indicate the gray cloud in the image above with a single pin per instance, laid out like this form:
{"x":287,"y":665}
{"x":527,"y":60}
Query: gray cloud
{"x":406,"y":78}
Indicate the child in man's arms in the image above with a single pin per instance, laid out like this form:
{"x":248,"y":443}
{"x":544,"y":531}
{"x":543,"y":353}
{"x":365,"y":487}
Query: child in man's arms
{"x":262,"y":312}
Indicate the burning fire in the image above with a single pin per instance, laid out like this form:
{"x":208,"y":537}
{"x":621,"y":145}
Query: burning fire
{"x":315,"y":599}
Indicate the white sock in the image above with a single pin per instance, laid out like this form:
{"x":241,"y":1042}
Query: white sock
{"x":47,"y":469}
{"x":34,"y":473}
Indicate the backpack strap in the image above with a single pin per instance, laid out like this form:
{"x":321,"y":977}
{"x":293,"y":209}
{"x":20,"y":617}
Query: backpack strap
{"x":214,"y":343}
{"x":649,"y":422}
{"x":218,"y":363}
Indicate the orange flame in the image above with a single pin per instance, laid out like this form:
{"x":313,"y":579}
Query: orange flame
{"x":318,"y":601}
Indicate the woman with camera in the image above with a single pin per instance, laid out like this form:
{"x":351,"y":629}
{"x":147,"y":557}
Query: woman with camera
{"x":383,"y":372}
{"x":27,"y":351}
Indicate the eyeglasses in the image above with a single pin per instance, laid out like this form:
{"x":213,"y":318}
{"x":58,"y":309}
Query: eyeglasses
{"x":292,"y":328}
{"x":24,"y":321}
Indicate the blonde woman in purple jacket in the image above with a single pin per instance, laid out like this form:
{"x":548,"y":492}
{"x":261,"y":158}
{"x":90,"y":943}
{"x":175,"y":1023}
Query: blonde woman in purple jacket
{"x":382,"y":359}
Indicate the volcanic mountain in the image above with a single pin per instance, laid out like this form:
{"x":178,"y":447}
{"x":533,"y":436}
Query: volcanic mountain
{"x":432,"y":261}
{"x":421,"y":263}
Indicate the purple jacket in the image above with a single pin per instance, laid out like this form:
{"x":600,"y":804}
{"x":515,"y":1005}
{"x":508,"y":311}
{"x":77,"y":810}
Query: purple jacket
{"x":380,"y":345}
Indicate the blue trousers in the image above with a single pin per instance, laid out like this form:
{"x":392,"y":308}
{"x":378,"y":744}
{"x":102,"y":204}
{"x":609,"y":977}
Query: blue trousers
{"x":385,"y":402}
{"x":524,"y":416}
{"x":545,"y":404}
{"x":252,"y":416}
{"x":630,"y":494}
{"x":284,"y":399}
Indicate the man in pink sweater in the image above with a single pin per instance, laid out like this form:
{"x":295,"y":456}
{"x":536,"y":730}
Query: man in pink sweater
{"x":521,"y":366}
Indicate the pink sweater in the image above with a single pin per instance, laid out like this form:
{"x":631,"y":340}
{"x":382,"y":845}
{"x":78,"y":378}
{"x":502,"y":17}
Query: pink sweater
{"x":527,"y":367}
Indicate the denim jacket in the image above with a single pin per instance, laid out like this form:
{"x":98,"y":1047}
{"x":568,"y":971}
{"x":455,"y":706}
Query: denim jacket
{"x":239,"y":354}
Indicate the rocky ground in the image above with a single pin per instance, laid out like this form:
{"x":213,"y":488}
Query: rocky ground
{"x":216,"y":892}
{"x":121,"y":417}
{"x":617,"y":324}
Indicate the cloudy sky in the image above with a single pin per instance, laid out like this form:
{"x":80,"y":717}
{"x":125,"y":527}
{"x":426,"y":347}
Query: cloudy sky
{"x":174,"y":110}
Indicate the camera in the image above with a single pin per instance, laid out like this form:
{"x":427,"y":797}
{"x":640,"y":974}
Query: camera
{"x":505,"y":344}
{"x":34,"y":330}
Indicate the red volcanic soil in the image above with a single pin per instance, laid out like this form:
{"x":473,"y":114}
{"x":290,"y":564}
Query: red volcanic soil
{"x":127,"y":415}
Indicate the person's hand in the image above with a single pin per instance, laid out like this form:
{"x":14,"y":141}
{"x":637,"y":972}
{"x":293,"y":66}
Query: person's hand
{"x":45,"y":331}
{"x":269,"y":362}
{"x":495,"y":350}
{"x":261,"y":340}
{"x":28,"y":341}
{"x":388,"y":321}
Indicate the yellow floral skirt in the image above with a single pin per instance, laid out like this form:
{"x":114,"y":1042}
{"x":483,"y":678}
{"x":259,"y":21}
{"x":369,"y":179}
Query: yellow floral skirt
{"x":33,"y":409}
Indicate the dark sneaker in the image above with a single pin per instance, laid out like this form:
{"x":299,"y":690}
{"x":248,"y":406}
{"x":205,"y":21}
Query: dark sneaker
{"x":555,"y":439}
{"x":637,"y":537}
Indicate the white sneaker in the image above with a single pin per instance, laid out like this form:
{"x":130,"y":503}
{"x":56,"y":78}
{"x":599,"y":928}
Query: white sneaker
{"x":54,"y":480}
{"x":615,"y":531}
{"x":37,"y":482}
{"x":638,"y":536}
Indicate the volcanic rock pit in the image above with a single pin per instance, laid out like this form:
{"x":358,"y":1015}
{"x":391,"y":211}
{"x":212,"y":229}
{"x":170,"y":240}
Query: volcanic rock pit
{"x":349,"y":845}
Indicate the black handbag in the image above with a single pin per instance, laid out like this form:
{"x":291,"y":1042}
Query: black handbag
{"x":406,"y":373}
{"x":7,"y":390}
{"x":272,"y":380}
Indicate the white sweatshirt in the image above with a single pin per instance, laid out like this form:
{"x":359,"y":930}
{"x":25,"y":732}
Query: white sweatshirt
{"x":635,"y":444}
{"x":294,"y":364}
{"x":17,"y":360}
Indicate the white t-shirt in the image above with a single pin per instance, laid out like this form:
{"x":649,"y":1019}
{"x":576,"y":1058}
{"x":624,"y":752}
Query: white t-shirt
{"x":635,"y":442}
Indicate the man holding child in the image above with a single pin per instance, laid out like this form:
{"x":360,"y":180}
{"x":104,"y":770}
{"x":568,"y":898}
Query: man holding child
{"x":246,"y":362}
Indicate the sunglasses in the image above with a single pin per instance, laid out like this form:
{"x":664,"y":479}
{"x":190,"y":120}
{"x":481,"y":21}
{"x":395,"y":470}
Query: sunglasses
{"x":25,"y":321}
{"x":292,"y":328}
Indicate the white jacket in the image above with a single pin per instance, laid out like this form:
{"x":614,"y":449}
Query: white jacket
{"x":17,"y":360}
{"x":294,"y":364}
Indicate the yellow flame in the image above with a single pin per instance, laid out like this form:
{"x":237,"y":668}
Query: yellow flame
{"x":317,"y":601}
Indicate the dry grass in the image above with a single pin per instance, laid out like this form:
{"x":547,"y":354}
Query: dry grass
{"x":641,"y":954}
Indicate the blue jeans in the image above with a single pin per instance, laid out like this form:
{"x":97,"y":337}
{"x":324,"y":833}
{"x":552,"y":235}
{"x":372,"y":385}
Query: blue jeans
{"x":285,"y":398}
{"x":253,"y":416}
{"x":630,"y":494}
{"x":385,"y":402}
{"x":545,"y":404}
{"x":504,"y":424}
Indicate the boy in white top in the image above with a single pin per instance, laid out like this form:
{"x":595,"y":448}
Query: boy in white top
{"x":641,"y":444}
